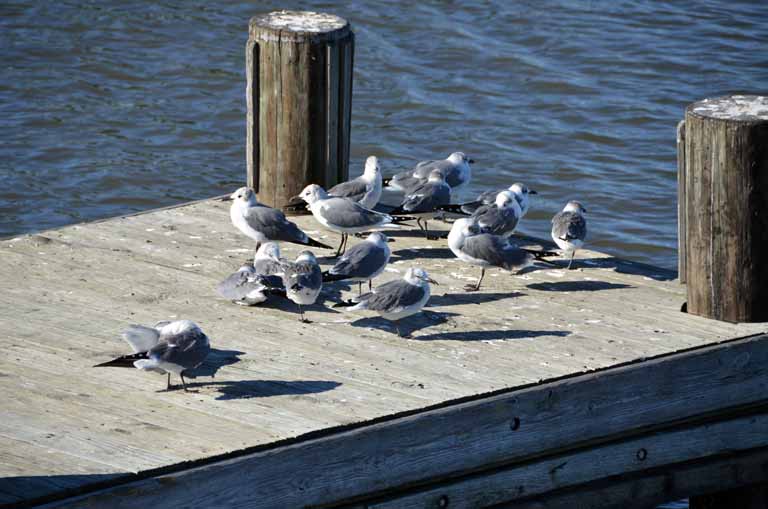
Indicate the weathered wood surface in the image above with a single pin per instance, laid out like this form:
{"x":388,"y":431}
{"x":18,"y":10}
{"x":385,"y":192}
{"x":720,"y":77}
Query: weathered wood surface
{"x":726,"y":196}
{"x":66,"y":295}
{"x":682,"y":208}
{"x":299,"y":101}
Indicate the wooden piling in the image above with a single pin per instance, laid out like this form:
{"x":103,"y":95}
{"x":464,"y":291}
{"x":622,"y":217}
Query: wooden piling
{"x":299,"y":101}
{"x":681,"y":205}
{"x":726,"y":200}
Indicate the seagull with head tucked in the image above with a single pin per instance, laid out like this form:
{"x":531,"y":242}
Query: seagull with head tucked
{"x":455,"y":169}
{"x":569,"y":228}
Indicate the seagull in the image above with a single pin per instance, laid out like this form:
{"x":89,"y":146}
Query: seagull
{"x":365,"y":189}
{"x":485,"y":249}
{"x":343,"y":215}
{"x":255,"y":281}
{"x":168,"y":347}
{"x":362,"y":262}
{"x":396,"y":299}
{"x":521,"y":192}
{"x":303,"y":281}
{"x":455,"y":169}
{"x":501,"y":217}
{"x":569,"y":228}
{"x":264,"y":224}
{"x":424,"y":201}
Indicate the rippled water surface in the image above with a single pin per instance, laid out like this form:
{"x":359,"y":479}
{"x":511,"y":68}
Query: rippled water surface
{"x":106,"y":110}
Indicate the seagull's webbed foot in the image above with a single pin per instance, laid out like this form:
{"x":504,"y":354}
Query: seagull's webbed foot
{"x":471,"y":288}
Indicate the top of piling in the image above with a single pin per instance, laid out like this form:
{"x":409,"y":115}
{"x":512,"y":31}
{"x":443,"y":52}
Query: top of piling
{"x":298,"y":24}
{"x":746,"y":108}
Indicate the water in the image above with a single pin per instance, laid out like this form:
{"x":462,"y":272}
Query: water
{"x":109,"y":110}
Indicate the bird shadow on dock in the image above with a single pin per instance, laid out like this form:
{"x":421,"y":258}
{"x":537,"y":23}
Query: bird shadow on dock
{"x":412,"y":253}
{"x":577,"y":286}
{"x":491,"y":335}
{"x":407,"y":325}
{"x":285,"y":305}
{"x":216,"y":360}
{"x":246,"y":389}
{"x":457,"y":299}
{"x":623,"y":267}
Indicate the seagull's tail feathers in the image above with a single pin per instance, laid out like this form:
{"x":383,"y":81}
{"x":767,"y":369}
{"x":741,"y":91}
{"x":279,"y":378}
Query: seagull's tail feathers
{"x":454,"y":208}
{"x":328,"y":277}
{"x":124,"y":361}
{"x":314,"y":243}
{"x":540,"y":255}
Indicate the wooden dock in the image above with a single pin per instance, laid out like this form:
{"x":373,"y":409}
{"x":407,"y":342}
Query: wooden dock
{"x":548,"y":389}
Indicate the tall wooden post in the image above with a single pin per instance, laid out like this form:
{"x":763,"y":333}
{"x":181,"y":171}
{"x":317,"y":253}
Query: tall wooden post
{"x":299,"y":98}
{"x":726,"y":199}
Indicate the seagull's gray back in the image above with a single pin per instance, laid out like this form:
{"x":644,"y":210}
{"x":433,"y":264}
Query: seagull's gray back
{"x":273,"y":224}
{"x":362,"y":260}
{"x":236,"y":285}
{"x":569,"y":226}
{"x":392,"y":296}
{"x":187,"y":349}
{"x":496,"y":221}
{"x":496,"y":251}
{"x":427,"y":197}
{"x":353,"y":189}
{"x":297,"y":276}
{"x":424,"y":168}
{"x":344,"y":213}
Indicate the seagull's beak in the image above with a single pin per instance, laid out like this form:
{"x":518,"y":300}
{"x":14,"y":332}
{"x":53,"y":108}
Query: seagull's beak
{"x":429,"y":279}
{"x":296,"y":198}
{"x":471,"y":161}
{"x":531,"y":191}
{"x":390,"y":239}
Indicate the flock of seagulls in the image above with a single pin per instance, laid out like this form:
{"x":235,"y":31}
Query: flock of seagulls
{"x":481,"y":235}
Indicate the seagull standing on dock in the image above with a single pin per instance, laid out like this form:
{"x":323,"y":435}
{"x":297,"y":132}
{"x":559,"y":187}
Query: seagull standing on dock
{"x":424,"y":201}
{"x":396,"y":299}
{"x":485,"y":250}
{"x":343,"y":215}
{"x":362,"y":262}
{"x":254,"y":282}
{"x":522,"y":195}
{"x":365,"y":189}
{"x":569,"y":229}
{"x":455,"y":169}
{"x":303,"y":281}
{"x":501,"y":217}
{"x":264,"y":224}
{"x":168,"y":347}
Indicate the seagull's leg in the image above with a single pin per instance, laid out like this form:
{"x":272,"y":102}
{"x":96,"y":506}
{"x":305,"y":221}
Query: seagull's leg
{"x":168,"y":383}
{"x":359,"y":287}
{"x":397,"y":328}
{"x":418,"y":222}
{"x":301,"y":315}
{"x":338,"y":251}
{"x":571,"y":262}
{"x":346,"y":241}
{"x":476,"y":287}
{"x":370,"y":285}
{"x":183,"y":383}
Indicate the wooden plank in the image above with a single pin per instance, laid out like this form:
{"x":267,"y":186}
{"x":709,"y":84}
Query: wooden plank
{"x":481,"y":433}
{"x":654,"y":487}
{"x":577,"y":470}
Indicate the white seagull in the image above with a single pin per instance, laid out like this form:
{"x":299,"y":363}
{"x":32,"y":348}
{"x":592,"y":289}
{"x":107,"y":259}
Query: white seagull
{"x":455,"y":169}
{"x":168,"y":347}
{"x":522,"y":195}
{"x":362,"y":262}
{"x":263,"y":223}
{"x":485,"y":250}
{"x":343,"y":215}
{"x":365,"y":189}
{"x":303,"y":281}
{"x":255,"y":281}
{"x":396,"y":299}
{"x":569,"y":228}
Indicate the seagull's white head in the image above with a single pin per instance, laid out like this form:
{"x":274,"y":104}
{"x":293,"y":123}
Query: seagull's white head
{"x":313,"y":193}
{"x":268,"y":250}
{"x":377,"y":238}
{"x":506,"y":199}
{"x":418,"y":276}
{"x":459,"y":158}
{"x":372,"y":167}
{"x":244,"y":195}
{"x":306,"y":256}
{"x":521,"y":189}
{"x":436,"y":176}
{"x":574,"y":206}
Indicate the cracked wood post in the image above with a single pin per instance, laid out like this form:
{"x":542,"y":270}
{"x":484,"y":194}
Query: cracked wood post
{"x":299,"y":100}
{"x":726,"y":200}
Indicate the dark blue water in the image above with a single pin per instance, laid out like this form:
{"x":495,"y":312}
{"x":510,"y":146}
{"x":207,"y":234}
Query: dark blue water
{"x":113,"y":109}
